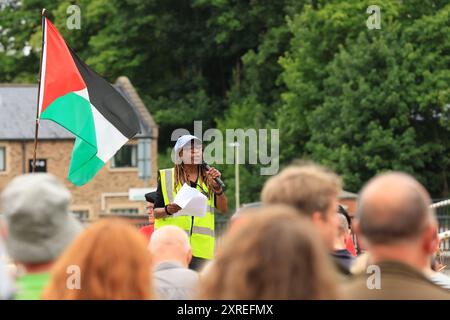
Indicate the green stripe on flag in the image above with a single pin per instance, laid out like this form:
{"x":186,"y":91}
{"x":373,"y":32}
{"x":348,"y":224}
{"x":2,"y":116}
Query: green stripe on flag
{"x":83,"y":167}
{"x":74,"y":113}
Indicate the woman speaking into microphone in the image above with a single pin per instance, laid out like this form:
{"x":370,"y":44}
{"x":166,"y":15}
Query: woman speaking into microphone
{"x":189,"y":169}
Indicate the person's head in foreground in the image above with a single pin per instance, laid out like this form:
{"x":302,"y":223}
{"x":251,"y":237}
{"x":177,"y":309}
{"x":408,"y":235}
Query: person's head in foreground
{"x":171,"y":255}
{"x":276,"y":254}
{"x":6,"y":274}
{"x":396,"y":221}
{"x":109,"y":260}
{"x":399,"y":230}
{"x":241,"y":213}
{"x":311,"y":189}
{"x":39,"y":227}
{"x":170,"y":243}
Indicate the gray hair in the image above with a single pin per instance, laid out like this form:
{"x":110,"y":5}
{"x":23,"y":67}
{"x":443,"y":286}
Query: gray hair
{"x":343,"y":224}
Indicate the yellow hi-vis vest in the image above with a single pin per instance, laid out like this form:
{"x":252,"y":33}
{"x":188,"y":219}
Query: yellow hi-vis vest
{"x":201,"y":232}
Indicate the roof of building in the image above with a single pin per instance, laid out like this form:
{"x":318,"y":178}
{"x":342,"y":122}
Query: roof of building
{"x":18,"y":113}
{"x":347,"y":195}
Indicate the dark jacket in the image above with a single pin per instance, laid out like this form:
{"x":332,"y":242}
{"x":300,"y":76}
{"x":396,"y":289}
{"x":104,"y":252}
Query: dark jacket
{"x":344,"y":259}
{"x":398,"y":281}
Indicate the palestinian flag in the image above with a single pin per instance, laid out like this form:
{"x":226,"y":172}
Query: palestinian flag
{"x":78,"y":99}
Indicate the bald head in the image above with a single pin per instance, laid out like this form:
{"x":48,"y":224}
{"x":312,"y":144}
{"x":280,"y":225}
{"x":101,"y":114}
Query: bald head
{"x":170,"y":243}
{"x":393,"y":207}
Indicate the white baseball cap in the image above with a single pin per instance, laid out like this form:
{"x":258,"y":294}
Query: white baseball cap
{"x":183,"y":140}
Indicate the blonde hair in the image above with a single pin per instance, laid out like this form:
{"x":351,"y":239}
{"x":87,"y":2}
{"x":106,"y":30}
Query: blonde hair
{"x":113,"y":261}
{"x":309,"y":188}
{"x":275,"y":255}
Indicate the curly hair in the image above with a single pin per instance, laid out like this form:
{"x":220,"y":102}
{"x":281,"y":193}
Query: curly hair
{"x":181,"y":178}
{"x":275,"y":254}
{"x":113,"y":260}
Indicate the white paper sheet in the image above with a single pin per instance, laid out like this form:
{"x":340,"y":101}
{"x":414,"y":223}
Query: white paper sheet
{"x":191,"y":201}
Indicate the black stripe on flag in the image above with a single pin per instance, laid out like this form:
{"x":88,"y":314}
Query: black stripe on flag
{"x":108,"y":101}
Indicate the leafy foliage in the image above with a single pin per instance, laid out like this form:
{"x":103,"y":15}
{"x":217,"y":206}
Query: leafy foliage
{"x":361,"y":101}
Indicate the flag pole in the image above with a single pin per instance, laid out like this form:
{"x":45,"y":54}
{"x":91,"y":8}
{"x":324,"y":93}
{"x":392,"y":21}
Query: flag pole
{"x":36,"y":131}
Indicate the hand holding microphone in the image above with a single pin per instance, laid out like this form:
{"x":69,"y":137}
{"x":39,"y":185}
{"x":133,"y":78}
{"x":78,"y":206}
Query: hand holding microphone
{"x":214,"y":174}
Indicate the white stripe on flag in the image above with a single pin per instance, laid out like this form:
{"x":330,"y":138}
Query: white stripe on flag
{"x":109,"y":139}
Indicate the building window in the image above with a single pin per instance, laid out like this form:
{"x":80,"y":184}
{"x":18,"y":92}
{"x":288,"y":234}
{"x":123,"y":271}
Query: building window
{"x":81,"y":215}
{"x":125,"y":212}
{"x":41,"y":165}
{"x":126,"y":157}
{"x":2,"y":159}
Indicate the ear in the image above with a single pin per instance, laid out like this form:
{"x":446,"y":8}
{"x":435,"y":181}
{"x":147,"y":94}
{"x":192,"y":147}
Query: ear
{"x":431,"y":239}
{"x":189,"y":257}
{"x":356,"y":229}
{"x":361,"y":241}
{"x":317,"y":218}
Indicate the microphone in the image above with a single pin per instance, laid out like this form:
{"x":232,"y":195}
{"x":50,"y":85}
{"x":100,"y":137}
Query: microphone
{"x":218,"y":180}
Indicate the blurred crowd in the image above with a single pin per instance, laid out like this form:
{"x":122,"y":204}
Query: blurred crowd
{"x":297,"y":243}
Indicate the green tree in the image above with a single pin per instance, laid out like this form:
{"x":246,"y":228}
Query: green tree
{"x":19,"y":20}
{"x":359,"y":100}
{"x":317,"y":35}
{"x":255,"y":92}
{"x":380,"y":102}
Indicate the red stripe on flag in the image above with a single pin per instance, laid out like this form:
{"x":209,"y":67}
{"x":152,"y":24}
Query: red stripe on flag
{"x":61,"y":74}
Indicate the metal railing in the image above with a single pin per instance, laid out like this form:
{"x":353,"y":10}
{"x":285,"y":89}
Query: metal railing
{"x":442,"y":208}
